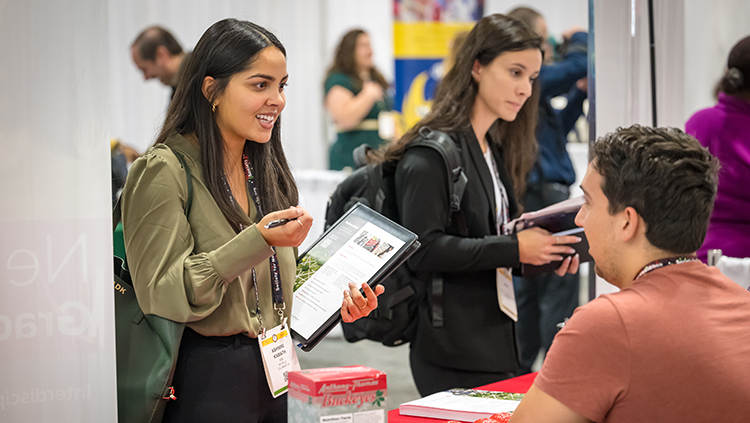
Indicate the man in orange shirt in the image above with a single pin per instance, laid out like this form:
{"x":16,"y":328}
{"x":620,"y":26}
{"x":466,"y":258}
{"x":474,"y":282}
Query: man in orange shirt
{"x":674,"y":344}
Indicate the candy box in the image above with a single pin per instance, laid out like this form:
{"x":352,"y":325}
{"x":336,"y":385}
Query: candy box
{"x":337,"y":395}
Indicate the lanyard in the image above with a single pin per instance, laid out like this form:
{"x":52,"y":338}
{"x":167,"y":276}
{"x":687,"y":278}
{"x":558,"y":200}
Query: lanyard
{"x":278,"y":296}
{"x":502,"y":203}
{"x":656,"y":264}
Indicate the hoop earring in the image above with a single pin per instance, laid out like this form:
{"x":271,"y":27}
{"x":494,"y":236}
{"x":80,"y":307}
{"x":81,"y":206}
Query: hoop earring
{"x":213,"y":108}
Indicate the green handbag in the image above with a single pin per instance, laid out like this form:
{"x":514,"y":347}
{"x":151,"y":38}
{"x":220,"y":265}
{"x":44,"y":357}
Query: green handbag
{"x":147,"y":345}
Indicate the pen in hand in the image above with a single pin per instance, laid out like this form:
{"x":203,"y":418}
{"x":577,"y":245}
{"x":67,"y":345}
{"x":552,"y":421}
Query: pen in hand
{"x":278,"y":222}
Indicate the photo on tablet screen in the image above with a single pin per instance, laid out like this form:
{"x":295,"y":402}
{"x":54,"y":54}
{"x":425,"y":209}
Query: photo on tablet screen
{"x":354,"y":255}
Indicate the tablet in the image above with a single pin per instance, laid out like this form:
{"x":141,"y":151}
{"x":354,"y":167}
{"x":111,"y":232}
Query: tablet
{"x":362,"y":246}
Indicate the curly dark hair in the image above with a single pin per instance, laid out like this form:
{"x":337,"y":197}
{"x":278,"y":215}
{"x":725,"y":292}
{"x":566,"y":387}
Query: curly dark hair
{"x":666,"y":176}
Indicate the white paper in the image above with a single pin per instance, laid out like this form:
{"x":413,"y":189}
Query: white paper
{"x":449,"y":406}
{"x":338,"y":418}
{"x":506,"y":294}
{"x":279,"y":358}
{"x":321,"y":294}
{"x":386,"y":125}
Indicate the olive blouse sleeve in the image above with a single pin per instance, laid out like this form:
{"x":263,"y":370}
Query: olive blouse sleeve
{"x":169,"y":278}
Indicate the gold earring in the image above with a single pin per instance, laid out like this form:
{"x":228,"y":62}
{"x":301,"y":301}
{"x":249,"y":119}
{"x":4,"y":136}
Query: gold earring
{"x":213,"y":107}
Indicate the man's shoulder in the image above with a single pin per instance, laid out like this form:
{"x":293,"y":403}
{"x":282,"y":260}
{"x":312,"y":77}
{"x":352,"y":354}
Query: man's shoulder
{"x":597,"y":317}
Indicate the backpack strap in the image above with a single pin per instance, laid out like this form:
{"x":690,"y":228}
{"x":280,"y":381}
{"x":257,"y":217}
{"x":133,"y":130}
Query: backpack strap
{"x":117,"y":212}
{"x":443,"y":144}
{"x":360,"y":155}
{"x":189,"y":177}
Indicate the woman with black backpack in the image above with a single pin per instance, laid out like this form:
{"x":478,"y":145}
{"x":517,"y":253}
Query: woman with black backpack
{"x":487,"y":103}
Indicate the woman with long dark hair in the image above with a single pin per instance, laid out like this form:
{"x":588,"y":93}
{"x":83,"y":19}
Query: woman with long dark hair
{"x":487,"y":103}
{"x":221,"y":269}
{"x":355,"y":95}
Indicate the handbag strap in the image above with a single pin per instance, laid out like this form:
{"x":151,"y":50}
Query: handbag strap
{"x":117,"y":211}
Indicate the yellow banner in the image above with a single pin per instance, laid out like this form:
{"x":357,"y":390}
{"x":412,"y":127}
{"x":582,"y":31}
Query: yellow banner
{"x":425,"y":40}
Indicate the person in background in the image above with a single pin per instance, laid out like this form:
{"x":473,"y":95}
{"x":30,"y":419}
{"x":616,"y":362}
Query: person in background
{"x":121,"y":157}
{"x":673,"y":345}
{"x":355,"y":95}
{"x":546,"y":300}
{"x":157,"y":54}
{"x":725,"y":130}
{"x":214,"y":270}
{"x":119,"y":168}
{"x":487,"y":104}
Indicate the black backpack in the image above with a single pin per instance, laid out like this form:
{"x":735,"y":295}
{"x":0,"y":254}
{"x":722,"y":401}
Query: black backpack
{"x":394,"y":321}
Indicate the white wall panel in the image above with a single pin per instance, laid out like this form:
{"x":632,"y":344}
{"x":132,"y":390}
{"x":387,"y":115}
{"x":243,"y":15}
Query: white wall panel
{"x":560,"y":15}
{"x":57,"y":360}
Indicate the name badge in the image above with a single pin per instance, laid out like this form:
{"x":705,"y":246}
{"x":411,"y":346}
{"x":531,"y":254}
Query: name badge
{"x":279,"y":357}
{"x":506,"y":295}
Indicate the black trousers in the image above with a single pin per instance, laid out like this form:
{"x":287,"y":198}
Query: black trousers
{"x":544,"y":300}
{"x":430,"y":378}
{"x":221,"y":379}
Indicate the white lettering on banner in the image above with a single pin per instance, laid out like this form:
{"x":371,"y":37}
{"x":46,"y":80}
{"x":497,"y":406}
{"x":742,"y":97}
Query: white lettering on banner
{"x":21,"y":267}
{"x":37,"y":395}
{"x":25,"y":329}
{"x":64,"y":322}
{"x":5,"y":333}
{"x":12,"y":265}
{"x":84,"y":265}
{"x":28,"y":325}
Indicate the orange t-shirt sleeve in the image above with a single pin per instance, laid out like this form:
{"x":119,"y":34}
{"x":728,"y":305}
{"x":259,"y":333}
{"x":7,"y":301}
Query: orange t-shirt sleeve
{"x":588,"y":366}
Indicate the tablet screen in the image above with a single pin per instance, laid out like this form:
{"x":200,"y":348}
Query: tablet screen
{"x":359,"y":247}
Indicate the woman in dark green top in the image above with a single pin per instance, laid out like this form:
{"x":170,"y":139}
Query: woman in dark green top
{"x":216,"y":268}
{"x":356,"y":93}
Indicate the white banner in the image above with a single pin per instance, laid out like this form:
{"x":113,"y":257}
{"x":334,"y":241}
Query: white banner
{"x":56,"y":301}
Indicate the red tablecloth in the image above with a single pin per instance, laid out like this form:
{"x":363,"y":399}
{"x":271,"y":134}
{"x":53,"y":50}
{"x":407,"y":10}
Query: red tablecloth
{"x":520,"y":385}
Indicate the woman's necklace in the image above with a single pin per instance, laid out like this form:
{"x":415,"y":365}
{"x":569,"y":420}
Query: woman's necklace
{"x":656,"y":264}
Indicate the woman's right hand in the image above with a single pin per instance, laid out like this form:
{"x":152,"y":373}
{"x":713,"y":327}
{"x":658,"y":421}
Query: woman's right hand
{"x":537,"y":247}
{"x":372,"y":90}
{"x":290,"y":234}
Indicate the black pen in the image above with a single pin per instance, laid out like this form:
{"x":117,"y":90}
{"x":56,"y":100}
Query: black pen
{"x":278,"y":222}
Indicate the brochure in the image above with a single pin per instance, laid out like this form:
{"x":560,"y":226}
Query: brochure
{"x":559,"y":219}
{"x":362,"y":246}
{"x":467,"y":405}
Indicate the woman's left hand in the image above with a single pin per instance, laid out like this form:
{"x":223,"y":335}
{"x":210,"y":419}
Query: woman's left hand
{"x":569,"y":265}
{"x":355,"y":305}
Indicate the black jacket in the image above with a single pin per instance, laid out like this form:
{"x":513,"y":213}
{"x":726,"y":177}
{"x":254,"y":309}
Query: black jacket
{"x":476,"y":336}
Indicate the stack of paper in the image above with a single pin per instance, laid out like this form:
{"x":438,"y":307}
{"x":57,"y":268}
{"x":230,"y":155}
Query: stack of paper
{"x":465,"y":405}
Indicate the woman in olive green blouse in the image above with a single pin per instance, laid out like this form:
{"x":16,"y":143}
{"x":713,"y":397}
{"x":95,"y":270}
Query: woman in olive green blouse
{"x":215,"y":269}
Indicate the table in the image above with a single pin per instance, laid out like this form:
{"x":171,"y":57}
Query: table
{"x":520,"y":385}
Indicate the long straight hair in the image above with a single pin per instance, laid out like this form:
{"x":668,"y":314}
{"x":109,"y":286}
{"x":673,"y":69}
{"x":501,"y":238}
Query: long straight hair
{"x":226,"y":48}
{"x":457,"y":92}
